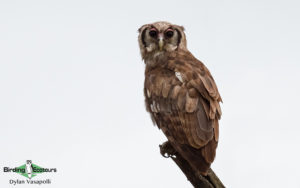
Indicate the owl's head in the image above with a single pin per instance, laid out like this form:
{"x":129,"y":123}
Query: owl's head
{"x":161,"y":37}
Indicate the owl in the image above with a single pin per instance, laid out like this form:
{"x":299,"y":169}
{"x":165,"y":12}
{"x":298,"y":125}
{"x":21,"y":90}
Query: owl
{"x":180,"y":94}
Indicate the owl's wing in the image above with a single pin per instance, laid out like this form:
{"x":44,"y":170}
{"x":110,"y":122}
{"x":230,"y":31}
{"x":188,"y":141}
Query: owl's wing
{"x":189,"y":103}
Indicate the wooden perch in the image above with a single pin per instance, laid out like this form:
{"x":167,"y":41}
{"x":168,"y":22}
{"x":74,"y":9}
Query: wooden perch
{"x":196,"y":179}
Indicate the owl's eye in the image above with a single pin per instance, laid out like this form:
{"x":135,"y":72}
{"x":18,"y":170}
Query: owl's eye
{"x":169,"y":34}
{"x":153,"y":33}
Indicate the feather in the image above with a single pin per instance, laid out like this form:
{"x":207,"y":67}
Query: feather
{"x":165,"y":90}
{"x":216,"y":130}
{"x":193,"y":92}
{"x":209,"y":151}
{"x":175,"y":92}
{"x":178,"y":75}
{"x":148,"y":93}
{"x":198,"y":139}
{"x":181,"y":99}
{"x":186,"y":123}
{"x":190,"y":104}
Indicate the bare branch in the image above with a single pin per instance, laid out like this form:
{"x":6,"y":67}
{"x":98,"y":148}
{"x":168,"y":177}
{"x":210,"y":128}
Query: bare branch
{"x":196,"y":179}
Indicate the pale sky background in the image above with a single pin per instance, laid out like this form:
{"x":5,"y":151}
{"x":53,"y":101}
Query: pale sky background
{"x":71,"y":90}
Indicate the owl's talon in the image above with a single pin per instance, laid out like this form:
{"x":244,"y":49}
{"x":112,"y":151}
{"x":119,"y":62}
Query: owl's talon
{"x":166,"y":155}
{"x":167,"y":150}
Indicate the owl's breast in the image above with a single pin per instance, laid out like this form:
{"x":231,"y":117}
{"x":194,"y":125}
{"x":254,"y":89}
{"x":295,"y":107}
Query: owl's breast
{"x":158,"y":82}
{"x":161,"y":88}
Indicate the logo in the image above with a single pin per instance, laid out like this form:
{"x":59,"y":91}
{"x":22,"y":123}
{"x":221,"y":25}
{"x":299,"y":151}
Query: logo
{"x":29,"y":171}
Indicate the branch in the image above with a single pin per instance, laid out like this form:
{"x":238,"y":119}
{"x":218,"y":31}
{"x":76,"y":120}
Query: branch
{"x":196,"y":179}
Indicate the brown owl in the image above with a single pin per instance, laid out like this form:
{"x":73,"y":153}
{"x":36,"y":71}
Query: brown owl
{"x":180,"y":94}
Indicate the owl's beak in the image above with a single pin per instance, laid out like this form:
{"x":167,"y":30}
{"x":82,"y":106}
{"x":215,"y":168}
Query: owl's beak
{"x":160,"y":42}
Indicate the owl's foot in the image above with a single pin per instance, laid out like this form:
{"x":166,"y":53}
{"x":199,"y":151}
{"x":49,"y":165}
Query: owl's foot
{"x":167,"y":150}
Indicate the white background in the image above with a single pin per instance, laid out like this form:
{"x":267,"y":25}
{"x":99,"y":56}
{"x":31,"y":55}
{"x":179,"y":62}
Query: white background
{"x":71,"y":82}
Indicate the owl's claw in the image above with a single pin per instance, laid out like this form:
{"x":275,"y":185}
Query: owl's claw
{"x":165,"y":155}
{"x":167,"y":150}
